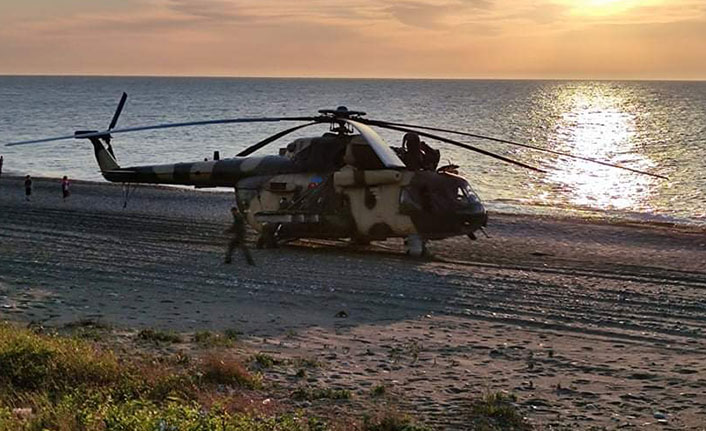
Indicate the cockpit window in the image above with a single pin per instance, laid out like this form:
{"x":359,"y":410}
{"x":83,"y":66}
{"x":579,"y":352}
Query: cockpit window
{"x":461,"y":195}
{"x":464,"y":194}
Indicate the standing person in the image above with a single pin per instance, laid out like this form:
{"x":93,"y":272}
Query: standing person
{"x":0,"y":165}
{"x":28,"y":188}
{"x":238,"y":237}
{"x":65,"y":187}
{"x":411,"y":145}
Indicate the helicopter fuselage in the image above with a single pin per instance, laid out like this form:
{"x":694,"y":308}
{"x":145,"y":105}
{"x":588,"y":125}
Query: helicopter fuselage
{"x":332,"y":186}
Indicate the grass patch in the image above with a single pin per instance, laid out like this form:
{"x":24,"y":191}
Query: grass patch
{"x":231,"y":334}
{"x":497,"y":411}
{"x":88,"y":329}
{"x":264,"y":361}
{"x":157,"y":336}
{"x":64,"y":383}
{"x":305,"y":363}
{"x":208,"y":339}
{"x":53,"y":382}
{"x":378,"y":390}
{"x":30,"y":362}
{"x":224,"y":369}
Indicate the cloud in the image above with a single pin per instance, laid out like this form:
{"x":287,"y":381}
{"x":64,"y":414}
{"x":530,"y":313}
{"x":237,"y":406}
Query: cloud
{"x":212,"y":10}
{"x":417,"y":14}
{"x":452,"y":38}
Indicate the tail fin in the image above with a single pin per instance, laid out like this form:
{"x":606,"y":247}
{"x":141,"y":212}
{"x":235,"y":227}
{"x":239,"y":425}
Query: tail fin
{"x":105,"y":157}
{"x":104,"y":152}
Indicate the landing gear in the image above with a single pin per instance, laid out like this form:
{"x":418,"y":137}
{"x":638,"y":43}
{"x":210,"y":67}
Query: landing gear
{"x":360,"y":240}
{"x":269,"y":236}
{"x":415,"y":246}
{"x":127,"y":193}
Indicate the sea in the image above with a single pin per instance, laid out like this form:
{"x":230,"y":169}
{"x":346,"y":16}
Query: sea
{"x":658,"y":127}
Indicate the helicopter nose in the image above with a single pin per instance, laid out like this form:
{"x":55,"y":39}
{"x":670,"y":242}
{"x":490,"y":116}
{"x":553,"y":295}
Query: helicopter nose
{"x":473,"y":218}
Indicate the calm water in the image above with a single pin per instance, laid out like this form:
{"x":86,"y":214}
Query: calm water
{"x":655,"y":126}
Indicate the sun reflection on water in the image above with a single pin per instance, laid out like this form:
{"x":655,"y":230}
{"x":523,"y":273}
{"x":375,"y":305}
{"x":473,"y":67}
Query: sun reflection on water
{"x":594,"y":124}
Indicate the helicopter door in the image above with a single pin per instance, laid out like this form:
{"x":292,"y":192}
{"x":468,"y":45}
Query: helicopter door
{"x":373,"y":198}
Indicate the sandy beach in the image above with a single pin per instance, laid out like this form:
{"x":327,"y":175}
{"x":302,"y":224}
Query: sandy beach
{"x":588,"y":323}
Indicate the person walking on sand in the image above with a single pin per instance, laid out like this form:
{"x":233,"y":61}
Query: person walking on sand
{"x":1,"y":166}
{"x":237,"y":230}
{"x":28,"y":188}
{"x":65,"y":187}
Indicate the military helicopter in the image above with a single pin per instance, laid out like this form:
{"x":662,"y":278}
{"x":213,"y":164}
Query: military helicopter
{"x":347,"y":183}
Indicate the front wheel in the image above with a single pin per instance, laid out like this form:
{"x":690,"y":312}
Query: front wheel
{"x":415,"y":246}
{"x":268,"y":237}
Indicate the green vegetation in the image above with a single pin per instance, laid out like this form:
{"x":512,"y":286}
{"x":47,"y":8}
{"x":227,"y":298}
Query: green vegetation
{"x":305,"y":363}
{"x":59,"y":383}
{"x":88,"y":329}
{"x":222,"y":369}
{"x":231,"y":334}
{"x":408,"y":351}
{"x":264,"y":361}
{"x":392,"y":421}
{"x":208,"y":339}
{"x":66,"y":383}
{"x":495,"y":412}
{"x":378,"y":390}
{"x":157,"y":336}
{"x":30,"y":362}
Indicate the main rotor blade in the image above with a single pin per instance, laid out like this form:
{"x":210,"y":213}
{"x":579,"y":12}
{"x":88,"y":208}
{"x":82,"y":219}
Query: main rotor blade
{"x":251,"y":149}
{"x":194,"y":123}
{"x":387,"y":156}
{"x":114,"y":121}
{"x":519,"y":144}
{"x":36,"y":141}
{"x":452,"y":142}
{"x":166,"y":126}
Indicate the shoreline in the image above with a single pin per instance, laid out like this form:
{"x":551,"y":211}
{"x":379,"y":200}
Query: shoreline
{"x":590,"y":215}
{"x":588,"y":324}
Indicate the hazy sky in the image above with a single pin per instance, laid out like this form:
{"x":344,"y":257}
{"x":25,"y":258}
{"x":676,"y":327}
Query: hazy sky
{"x":640,"y":39}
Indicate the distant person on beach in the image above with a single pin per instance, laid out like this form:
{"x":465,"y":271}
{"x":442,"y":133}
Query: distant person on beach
{"x":65,"y":187}
{"x":1,"y":165}
{"x":28,"y":188}
{"x":237,"y":230}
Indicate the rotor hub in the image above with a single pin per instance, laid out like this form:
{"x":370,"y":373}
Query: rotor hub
{"x":341,"y":112}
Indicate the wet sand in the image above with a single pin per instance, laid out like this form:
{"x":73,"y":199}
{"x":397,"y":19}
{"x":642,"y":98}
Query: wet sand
{"x":588,"y":323}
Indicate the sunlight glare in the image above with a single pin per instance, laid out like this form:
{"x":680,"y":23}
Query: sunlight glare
{"x":595,"y":126}
{"x":599,"y":8}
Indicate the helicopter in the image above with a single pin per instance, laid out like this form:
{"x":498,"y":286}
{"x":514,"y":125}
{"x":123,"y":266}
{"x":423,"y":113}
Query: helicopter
{"x":346,"y":184}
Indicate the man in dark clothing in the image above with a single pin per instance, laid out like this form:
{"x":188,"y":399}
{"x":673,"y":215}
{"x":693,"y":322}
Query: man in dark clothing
{"x":418,"y":155}
{"x":411,"y":146}
{"x":28,"y":187}
{"x":238,"y":238}
{"x":1,"y":160}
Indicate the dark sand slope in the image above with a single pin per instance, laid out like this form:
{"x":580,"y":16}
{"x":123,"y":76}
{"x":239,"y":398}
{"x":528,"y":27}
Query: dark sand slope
{"x":588,"y":323}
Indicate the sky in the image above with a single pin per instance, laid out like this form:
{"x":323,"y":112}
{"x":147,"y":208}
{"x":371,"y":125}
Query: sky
{"x":502,"y":39}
